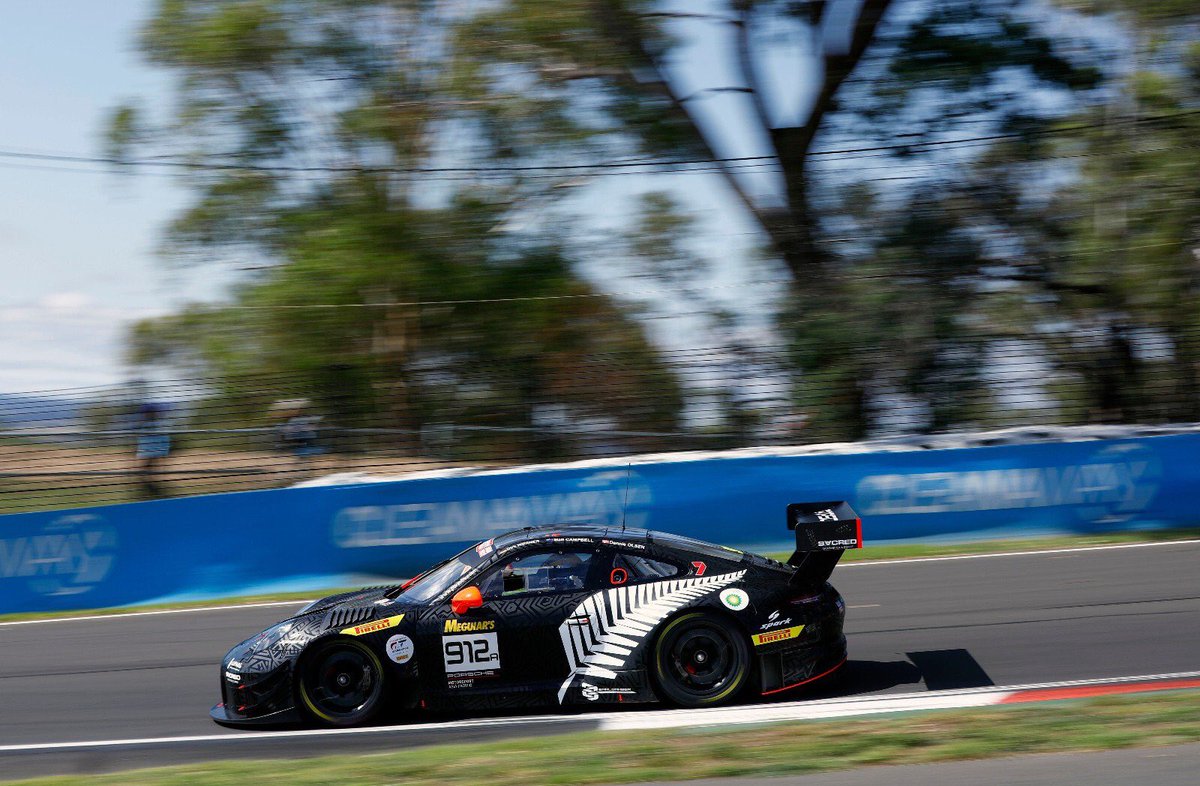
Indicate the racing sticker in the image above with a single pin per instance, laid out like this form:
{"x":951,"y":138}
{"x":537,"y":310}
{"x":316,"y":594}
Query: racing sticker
{"x":372,"y":627}
{"x":734,"y":599}
{"x":593,"y":693}
{"x":400,"y":648}
{"x":774,"y":621}
{"x":469,"y":626}
{"x":783,"y":634}
{"x":476,"y":652}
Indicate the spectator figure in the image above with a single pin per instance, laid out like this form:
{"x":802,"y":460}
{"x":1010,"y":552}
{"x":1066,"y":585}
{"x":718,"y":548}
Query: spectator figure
{"x":153,"y":445}
{"x":298,"y":429}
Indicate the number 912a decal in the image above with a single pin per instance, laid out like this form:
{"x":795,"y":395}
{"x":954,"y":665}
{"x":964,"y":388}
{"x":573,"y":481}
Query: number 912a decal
{"x":473,"y":652}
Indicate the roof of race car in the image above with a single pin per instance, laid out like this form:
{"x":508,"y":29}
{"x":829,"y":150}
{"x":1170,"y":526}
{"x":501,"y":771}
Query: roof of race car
{"x":616,"y":535}
{"x":570,"y":531}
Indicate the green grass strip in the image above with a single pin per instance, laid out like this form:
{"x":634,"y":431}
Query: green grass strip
{"x":199,"y":604}
{"x":754,"y":751}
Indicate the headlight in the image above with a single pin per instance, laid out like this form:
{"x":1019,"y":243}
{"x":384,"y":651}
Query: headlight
{"x":270,"y":637}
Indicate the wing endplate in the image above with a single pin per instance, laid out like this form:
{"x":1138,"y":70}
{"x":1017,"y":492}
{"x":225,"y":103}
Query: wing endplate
{"x":824,"y":530}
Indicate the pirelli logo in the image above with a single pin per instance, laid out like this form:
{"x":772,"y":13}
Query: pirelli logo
{"x":371,"y":627}
{"x":783,"y":634}
{"x":456,"y":626}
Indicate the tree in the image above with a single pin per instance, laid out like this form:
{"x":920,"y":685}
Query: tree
{"x":908,"y":71}
{"x":303,"y":123}
{"x":376,"y":317}
{"x":290,"y":106}
{"x":1122,"y":281}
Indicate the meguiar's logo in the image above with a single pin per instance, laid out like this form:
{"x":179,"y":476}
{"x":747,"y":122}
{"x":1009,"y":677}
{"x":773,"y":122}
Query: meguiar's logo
{"x":455,"y":626}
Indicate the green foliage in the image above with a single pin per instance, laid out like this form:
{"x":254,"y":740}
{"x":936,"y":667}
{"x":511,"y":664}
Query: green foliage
{"x":966,"y":45}
{"x":340,"y":323}
{"x":902,"y":298}
{"x":1150,"y":13}
{"x":312,"y":109}
{"x":123,"y":131}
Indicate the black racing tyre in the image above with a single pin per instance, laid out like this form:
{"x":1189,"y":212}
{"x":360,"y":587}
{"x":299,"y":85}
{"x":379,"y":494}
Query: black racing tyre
{"x":340,"y":683}
{"x":700,"y":660}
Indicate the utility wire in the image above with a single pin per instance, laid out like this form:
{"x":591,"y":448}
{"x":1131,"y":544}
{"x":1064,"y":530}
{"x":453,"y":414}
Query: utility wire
{"x":625,"y":167}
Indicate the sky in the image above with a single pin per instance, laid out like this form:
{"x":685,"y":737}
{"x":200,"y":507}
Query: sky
{"x":77,"y":249}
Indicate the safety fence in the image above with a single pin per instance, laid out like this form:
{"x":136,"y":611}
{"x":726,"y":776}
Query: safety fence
{"x":152,"y":439}
{"x":322,"y":535}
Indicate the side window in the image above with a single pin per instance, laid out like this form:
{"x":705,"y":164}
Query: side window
{"x":639,"y":568}
{"x":543,"y":571}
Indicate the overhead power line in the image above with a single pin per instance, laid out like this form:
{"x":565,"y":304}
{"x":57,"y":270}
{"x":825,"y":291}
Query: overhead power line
{"x":607,"y":167}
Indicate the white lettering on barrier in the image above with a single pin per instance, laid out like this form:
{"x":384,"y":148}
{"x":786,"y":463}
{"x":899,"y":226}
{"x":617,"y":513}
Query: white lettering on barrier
{"x":71,"y":554}
{"x":601,"y":501}
{"x":1115,"y":483}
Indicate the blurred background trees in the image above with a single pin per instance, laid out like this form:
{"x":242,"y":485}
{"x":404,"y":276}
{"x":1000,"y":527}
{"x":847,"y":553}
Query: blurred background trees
{"x":983,"y":212}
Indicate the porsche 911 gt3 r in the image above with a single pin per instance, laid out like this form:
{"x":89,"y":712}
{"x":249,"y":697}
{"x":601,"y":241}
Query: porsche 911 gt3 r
{"x":570,"y":615}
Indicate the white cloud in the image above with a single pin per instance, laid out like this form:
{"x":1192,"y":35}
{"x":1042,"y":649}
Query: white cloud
{"x":65,"y":301}
{"x":64,"y":342}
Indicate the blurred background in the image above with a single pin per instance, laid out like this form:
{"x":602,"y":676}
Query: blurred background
{"x":252,"y":243}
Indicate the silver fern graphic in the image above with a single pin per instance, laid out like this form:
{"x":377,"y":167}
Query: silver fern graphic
{"x":603,"y":630}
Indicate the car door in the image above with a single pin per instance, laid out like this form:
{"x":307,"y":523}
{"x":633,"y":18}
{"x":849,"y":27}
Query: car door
{"x":509,"y":651}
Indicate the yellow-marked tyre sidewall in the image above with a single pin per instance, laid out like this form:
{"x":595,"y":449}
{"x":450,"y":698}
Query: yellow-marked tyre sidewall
{"x":306,"y":702}
{"x":735,"y":685}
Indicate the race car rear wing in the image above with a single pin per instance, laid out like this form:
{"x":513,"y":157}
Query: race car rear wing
{"x":823,"y":531}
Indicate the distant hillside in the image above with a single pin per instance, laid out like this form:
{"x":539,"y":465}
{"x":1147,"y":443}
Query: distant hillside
{"x":19,"y":410}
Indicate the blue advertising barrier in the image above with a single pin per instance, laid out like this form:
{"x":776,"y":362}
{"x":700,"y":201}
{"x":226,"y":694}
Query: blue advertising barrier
{"x":229,"y":543}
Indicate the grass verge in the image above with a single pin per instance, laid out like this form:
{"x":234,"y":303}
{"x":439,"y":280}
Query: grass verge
{"x":199,"y":604}
{"x":759,"y":751}
{"x":871,"y":552}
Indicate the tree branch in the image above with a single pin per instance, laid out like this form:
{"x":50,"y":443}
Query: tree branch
{"x":838,"y":67}
{"x":623,"y":28}
{"x":746,"y":64}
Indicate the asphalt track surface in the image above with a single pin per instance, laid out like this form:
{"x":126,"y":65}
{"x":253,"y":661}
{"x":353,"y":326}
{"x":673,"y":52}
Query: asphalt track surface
{"x":912,"y":625}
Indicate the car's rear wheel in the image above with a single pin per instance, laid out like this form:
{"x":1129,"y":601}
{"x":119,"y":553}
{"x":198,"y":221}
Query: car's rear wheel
{"x":340,"y":683}
{"x":700,"y":660}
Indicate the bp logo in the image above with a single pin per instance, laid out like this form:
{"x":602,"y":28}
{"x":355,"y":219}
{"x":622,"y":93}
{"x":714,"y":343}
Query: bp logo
{"x":735,"y":599}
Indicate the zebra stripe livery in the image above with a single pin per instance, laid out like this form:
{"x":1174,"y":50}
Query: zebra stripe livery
{"x":604,"y":630}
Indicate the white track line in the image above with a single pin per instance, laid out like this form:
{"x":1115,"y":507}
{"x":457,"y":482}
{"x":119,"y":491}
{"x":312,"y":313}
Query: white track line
{"x":1112,"y":547}
{"x":843,"y":566}
{"x":867,"y":705}
{"x":157,"y":612}
{"x":301,"y":733}
{"x":658,"y":719}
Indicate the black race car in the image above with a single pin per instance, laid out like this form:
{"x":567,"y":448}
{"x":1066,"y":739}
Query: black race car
{"x":571,"y":615}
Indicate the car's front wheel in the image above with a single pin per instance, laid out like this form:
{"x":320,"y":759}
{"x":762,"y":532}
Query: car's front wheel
{"x":700,"y":660}
{"x":340,"y":683}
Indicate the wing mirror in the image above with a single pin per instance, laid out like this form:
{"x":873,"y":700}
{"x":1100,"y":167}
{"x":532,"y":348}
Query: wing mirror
{"x":466,"y":599}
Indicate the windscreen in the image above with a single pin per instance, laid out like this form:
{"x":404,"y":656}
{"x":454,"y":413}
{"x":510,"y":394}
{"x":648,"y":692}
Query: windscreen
{"x":441,"y":578}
